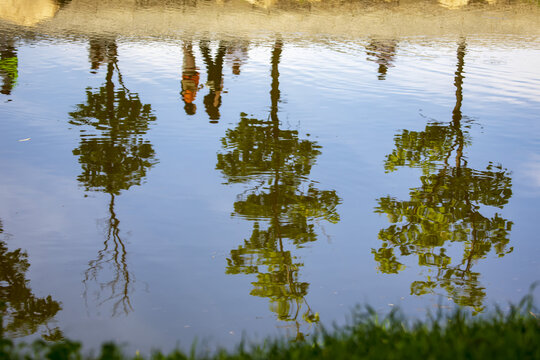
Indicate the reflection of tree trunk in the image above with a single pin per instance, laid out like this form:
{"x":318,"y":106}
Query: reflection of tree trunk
{"x":456,"y":123}
{"x":456,"y":113}
{"x":120,"y":263}
{"x":276,"y":154}
{"x":456,"y":120}
{"x":473,"y":214}
{"x":274,"y":92}
{"x":109,"y":86}
{"x":121,"y":281}
{"x":274,"y":98}
{"x":471,"y":254}
{"x":105,"y":51}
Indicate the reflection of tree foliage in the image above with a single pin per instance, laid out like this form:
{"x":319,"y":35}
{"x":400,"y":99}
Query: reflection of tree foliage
{"x":276,"y":163}
{"x":119,"y":157}
{"x":447,"y":208}
{"x":114,"y":159}
{"x":21,"y":312}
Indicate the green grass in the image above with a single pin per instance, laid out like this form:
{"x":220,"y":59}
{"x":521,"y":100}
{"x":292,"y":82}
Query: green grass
{"x":514,"y":334}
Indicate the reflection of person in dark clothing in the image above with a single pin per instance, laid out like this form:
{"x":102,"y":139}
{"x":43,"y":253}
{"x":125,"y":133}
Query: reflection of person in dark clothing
{"x":190,"y":80}
{"x":214,"y":81}
{"x":8,"y":65}
{"x":382,"y":52}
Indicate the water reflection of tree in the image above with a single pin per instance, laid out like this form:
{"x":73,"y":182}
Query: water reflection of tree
{"x":275,"y":163}
{"x":113,"y":159}
{"x":447,"y":208}
{"x":21,"y":312}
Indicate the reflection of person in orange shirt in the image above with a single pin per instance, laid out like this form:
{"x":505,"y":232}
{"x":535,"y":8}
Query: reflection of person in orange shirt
{"x":190,"y":80}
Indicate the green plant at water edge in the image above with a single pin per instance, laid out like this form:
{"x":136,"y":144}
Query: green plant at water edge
{"x":513,"y":334}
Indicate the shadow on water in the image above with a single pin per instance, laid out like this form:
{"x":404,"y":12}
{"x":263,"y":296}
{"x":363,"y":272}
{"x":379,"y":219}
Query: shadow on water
{"x":114,"y":156}
{"x":21,"y":312}
{"x":447,"y":208}
{"x":274,"y":164}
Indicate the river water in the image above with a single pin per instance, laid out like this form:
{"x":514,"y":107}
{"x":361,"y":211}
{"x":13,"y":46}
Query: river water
{"x":179,"y":171}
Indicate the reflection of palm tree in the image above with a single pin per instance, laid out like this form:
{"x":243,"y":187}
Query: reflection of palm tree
{"x":21,"y":312}
{"x":446,"y":208}
{"x":277,"y":162}
{"x":114,"y":159}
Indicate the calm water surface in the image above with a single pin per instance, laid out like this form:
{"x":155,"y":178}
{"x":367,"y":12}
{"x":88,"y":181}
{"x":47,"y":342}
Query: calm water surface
{"x":158,"y":189}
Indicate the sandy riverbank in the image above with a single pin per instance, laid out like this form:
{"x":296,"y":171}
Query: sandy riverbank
{"x":174,"y":19}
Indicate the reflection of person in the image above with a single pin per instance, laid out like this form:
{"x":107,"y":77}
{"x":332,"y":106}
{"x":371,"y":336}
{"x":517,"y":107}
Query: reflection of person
{"x":190,"y":80}
{"x":101,"y":51}
{"x":383,"y":52}
{"x":236,"y":56}
{"x":8,"y":65}
{"x":214,"y":81}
